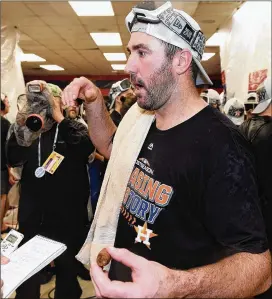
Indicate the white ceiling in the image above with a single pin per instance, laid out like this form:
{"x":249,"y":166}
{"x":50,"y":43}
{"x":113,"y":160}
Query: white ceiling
{"x":53,"y":31}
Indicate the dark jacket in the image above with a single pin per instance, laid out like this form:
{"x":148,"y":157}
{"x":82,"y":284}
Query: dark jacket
{"x":5,"y":124}
{"x":258,"y":131}
{"x":59,"y":200}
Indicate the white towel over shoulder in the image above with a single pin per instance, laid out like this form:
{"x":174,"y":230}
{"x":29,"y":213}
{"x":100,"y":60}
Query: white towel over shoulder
{"x":127,"y":144}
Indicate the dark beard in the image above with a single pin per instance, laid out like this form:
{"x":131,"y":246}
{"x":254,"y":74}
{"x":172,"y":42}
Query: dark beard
{"x":160,"y":89}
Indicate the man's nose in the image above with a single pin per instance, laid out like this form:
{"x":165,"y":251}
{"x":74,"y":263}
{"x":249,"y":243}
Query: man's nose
{"x":131,"y":66}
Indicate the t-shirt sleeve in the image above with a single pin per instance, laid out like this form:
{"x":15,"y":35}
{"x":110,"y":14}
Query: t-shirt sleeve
{"x":232,"y":206}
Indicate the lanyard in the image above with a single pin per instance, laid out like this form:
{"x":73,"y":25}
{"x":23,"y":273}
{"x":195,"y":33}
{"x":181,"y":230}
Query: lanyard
{"x":54,"y":144}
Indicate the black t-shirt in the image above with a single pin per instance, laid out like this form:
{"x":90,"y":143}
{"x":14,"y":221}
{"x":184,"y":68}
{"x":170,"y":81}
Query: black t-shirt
{"x":192,"y":198}
{"x":5,"y":124}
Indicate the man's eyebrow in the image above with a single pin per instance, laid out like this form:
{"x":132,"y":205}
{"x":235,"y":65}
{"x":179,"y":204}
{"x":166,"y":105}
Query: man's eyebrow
{"x":139,"y":46}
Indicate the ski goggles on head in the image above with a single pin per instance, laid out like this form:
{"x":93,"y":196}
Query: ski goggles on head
{"x":122,"y":86}
{"x":117,"y":89}
{"x":145,"y":16}
{"x":175,"y":21}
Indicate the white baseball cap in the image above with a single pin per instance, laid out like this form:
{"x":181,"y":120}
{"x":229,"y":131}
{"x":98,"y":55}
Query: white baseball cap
{"x":264,"y":96}
{"x":252,"y":98}
{"x":235,"y":111}
{"x":174,"y":27}
{"x":211,"y":96}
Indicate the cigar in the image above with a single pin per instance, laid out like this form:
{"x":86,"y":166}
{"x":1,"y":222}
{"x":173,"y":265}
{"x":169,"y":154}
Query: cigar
{"x":103,"y":258}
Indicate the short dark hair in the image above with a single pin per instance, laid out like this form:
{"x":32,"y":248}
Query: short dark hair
{"x":170,"y":51}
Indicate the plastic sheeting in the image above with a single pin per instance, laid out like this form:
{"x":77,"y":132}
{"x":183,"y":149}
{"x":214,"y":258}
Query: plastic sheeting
{"x":12,"y":80}
{"x":246,"y":51}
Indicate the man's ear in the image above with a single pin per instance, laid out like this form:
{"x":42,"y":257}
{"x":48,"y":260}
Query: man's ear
{"x":182,"y":61}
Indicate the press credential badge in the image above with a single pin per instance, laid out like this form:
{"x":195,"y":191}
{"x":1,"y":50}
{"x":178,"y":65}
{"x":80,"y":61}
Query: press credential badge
{"x":53,"y":162}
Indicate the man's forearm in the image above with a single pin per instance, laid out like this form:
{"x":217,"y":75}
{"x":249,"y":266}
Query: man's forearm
{"x":101,"y":127}
{"x":242,"y":275}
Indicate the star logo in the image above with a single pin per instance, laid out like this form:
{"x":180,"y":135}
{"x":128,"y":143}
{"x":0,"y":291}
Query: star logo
{"x":237,"y":113}
{"x":144,"y":234}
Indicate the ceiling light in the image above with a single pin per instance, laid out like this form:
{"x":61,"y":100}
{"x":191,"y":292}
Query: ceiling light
{"x":115,"y":56}
{"x":207,"y":56}
{"x":217,"y":39}
{"x":107,"y":39}
{"x":51,"y":67}
{"x":30,"y":57}
{"x":118,"y":67}
{"x":92,"y":8}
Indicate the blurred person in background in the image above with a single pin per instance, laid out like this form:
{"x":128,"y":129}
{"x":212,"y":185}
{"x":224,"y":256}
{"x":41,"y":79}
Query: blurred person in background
{"x":7,"y":178}
{"x":117,"y":95}
{"x":51,"y":204}
{"x":258,"y":131}
{"x":212,"y":97}
{"x":75,"y":112}
{"x":250,"y":104}
{"x":235,"y":111}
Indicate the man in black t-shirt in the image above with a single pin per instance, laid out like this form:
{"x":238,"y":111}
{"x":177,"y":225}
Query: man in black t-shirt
{"x":190,"y":223}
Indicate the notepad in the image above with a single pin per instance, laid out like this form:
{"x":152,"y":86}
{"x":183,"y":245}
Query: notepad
{"x":29,"y":259}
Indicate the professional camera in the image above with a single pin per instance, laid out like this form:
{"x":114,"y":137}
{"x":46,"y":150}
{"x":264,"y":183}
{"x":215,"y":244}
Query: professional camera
{"x":35,"y":111}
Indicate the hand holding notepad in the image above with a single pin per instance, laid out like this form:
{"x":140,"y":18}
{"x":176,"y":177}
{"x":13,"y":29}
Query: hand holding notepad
{"x":27,"y":261}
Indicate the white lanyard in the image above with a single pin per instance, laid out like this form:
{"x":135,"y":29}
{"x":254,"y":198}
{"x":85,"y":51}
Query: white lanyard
{"x":54,"y":144}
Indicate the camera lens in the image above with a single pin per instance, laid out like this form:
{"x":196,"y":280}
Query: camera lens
{"x":34,"y":122}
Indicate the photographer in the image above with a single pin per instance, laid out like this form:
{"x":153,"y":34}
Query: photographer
{"x":52,"y":203}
